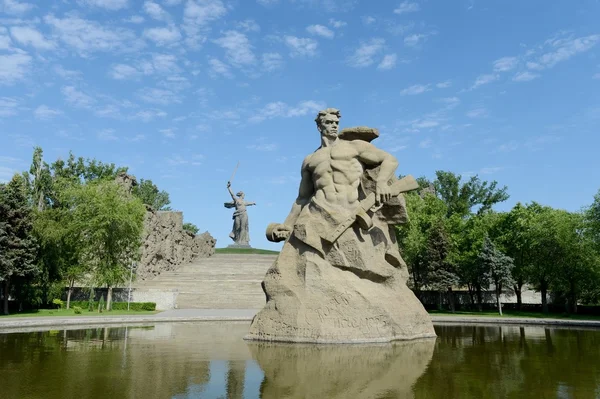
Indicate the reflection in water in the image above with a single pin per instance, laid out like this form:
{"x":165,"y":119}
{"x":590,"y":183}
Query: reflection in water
{"x":211,"y":360}
{"x":341,"y":371}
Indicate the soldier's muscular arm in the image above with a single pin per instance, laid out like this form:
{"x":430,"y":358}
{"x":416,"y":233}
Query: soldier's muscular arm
{"x":373,"y":156}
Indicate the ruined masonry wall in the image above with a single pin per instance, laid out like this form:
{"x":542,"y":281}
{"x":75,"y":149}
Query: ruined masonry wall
{"x":166,"y":245}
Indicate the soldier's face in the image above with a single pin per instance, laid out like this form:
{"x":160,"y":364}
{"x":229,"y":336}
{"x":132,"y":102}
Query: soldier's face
{"x":329,"y":126}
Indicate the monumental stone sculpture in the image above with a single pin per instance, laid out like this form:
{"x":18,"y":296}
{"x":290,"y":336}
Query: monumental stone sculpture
{"x":339,"y":276}
{"x":240,"y":232}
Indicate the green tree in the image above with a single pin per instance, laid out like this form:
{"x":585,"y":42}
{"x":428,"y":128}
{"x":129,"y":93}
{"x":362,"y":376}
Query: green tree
{"x":498,"y":266}
{"x":577,"y":265}
{"x":150,"y":195}
{"x":592,"y":220}
{"x":469,"y":236}
{"x":513,"y":236}
{"x":110,"y":222}
{"x":423,"y":210}
{"x":41,"y":180}
{"x":441,"y":275}
{"x":17,"y":245}
{"x":546,"y":247}
{"x":191,"y":227}
{"x":462,"y":198}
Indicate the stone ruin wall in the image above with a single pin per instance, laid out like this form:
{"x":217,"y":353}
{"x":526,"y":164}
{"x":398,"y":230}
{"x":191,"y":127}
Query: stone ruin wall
{"x":166,"y":245}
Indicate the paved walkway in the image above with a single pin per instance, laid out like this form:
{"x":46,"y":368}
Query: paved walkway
{"x":181,"y":315}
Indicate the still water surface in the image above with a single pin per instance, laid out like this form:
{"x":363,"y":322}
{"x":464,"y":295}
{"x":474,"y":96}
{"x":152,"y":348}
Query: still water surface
{"x":210,"y":360}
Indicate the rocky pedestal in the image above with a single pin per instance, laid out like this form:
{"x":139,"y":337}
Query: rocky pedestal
{"x":309,"y":300}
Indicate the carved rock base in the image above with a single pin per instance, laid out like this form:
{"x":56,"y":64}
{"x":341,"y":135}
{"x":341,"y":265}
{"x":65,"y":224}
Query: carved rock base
{"x":309,"y":300}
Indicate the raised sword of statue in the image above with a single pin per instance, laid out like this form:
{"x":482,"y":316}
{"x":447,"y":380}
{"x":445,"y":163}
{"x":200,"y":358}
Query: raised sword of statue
{"x":233,"y":174}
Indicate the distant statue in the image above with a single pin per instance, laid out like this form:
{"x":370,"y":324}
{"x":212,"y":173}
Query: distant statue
{"x":240,"y":233}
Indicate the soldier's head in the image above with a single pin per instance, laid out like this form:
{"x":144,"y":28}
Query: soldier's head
{"x":240,"y":194}
{"x":328,"y":121}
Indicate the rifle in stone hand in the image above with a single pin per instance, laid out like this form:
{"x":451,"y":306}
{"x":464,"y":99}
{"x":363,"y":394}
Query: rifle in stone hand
{"x":407,"y":183}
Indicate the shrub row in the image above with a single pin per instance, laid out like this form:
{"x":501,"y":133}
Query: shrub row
{"x":136,"y":306}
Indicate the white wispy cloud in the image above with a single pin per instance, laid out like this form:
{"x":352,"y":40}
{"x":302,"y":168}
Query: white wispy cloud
{"x":135,"y":19}
{"x":197,"y":15}
{"x":137,"y":138}
{"x":525,"y":76}
{"x":237,"y":47}
{"x":415,"y":89}
{"x":5,"y":42}
{"x":267,"y":2}
{"x":407,"y":7}
{"x":87,"y":36}
{"x":218,"y":67}
{"x":77,"y":98}
{"x":300,"y":46}
{"x":424,"y":124}
{"x":478,"y":113}
{"x":154,"y":10}
{"x":280,"y":109}
{"x":124,"y":72}
{"x":320,"y":30}
{"x":337,"y":24}
{"x":262,"y":147}
{"x":15,"y":7}
{"x":8,"y":106}
{"x":112,"y":5}
{"x":158,"y":96}
{"x":45,"y":113}
{"x":364,"y":55}
{"x":596,"y":76}
{"x":451,"y":102}
{"x":107,"y":135}
{"x":248,"y":25}
{"x":31,"y":37}
{"x":415,"y":39}
{"x":168,"y":133}
{"x":368,"y":20}
{"x":484,"y":79}
{"x":163,"y":36}
{"x":426,"y":143}
{"x":14,"y":67}
{"x":388,"y":62}
{"x":68,"y":74}
{"x":148,"y":115}
{"x":508,"y":147}
{"x":272,"y":61}
{"x":490,"y":170}
{"x":505,"y":64}
{"x":444,"y":85}
{"x":563,"y":49}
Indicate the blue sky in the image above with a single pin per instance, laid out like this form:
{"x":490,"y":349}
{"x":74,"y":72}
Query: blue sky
{"x":181,"y":90}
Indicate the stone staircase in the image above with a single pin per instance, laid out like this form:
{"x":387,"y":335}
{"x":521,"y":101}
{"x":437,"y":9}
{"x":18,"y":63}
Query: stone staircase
{"x":222,"y":281}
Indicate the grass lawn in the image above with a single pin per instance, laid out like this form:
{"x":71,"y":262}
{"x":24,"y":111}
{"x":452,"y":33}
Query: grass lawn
{"x":245,"y":251}
{"x":71,"y":313}
{"x":516,"y":313}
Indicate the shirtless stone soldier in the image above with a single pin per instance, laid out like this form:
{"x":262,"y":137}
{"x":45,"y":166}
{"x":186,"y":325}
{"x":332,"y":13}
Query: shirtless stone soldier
{"x":333,"y":173}
{"x":339,"y":276}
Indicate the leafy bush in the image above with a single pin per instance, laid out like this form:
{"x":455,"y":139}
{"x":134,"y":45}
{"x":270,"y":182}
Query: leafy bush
{"x":77,"y":309}
{"x":136,"y":306}
{"x":59,"y":304}
{"x":133,"y":306}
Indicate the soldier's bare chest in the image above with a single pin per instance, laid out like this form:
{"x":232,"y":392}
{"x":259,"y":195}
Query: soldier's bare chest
{"x":340,"y":153}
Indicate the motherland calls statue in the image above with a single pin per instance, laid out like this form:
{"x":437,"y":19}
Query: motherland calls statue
{"x":339,"y":276}
{"x":240,"y":232}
